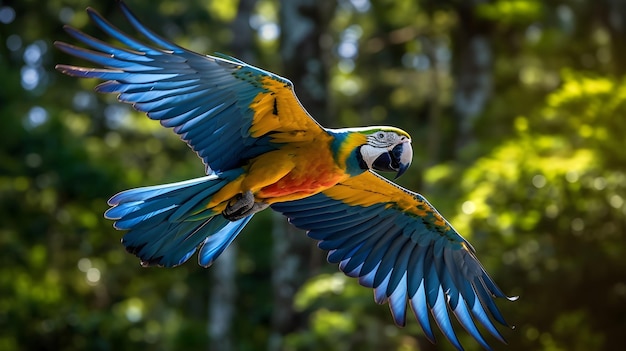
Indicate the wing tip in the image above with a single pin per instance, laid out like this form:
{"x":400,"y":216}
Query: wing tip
{"x":65,"y":69}
{"x":512,"y":298}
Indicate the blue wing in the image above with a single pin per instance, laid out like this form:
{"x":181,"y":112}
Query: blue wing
{"x":394,"y":241}
{"x":225,"y":109}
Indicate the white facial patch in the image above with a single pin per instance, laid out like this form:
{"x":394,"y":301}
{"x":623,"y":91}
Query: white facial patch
{"x":382,"y":139}
{"x":371,"y":153}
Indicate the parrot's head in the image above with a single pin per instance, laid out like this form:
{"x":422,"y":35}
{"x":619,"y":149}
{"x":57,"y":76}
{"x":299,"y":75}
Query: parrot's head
{"x":387,"y":149}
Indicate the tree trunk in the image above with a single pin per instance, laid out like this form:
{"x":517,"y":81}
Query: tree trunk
{"x":303,"y":23}
{"x":472,"y":70}
{"x":222,"y":302}
{"x":613,"y":15}
{"x":435,"y":129}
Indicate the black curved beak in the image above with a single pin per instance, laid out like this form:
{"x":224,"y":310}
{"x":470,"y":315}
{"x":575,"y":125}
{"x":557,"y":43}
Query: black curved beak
{"x":397,"y":160}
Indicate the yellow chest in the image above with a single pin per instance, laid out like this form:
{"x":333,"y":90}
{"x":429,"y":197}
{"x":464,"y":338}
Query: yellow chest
{"x":297,"y":171}
{"x":303,"y":166}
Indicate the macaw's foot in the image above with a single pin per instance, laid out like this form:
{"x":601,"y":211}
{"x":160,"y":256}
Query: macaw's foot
{"x":242,"y":206}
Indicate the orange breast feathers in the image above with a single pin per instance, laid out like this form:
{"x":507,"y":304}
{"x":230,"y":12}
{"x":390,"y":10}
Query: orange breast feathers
{"x":294,"y":172}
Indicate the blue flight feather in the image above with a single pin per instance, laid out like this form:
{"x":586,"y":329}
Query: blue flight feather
{"x":465,"y":319}
{"x":146,"y":32}
{"x":398,"y":300}
{"x":420,"y":309}
{"x":215,"y":244}
{"x":380,"y":290}
{"x":367,"y":279}
{"x":115,"y":33}
{"x":401,"y":264}
{"x":437,"y":302}
{"x":97,"y":44}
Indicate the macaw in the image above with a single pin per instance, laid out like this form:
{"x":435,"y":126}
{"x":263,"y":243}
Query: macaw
{"x":262,"y":149}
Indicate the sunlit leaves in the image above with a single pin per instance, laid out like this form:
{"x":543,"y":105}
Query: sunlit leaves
{"x":225,"y":10}
{"x":511,"y":11}
{"x":552,"y":190}
{"x":344,"y":317}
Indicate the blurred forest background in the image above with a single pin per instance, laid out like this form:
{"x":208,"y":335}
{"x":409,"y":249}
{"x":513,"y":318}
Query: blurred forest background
{"x":517,"y":109}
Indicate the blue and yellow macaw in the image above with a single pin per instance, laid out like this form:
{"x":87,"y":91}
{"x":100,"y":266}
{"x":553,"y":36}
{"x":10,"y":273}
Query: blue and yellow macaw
{"x":262,"y":149}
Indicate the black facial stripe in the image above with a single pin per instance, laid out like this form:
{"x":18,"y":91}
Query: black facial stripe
{"x":397,"y":153}
{"x":373,"y":141}
{"x":359,"y":158}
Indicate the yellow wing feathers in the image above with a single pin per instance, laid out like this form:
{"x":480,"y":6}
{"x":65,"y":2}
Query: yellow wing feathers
{"x":370,"y":189}
{"x":278,"y":110}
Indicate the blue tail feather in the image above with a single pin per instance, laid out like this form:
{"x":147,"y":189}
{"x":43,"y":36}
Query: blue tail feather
{"x":215,"y":244}
{"x":163,"y":225}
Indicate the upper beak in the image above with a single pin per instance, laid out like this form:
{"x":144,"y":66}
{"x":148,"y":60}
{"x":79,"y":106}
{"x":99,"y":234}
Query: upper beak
{"x":397,"y":160}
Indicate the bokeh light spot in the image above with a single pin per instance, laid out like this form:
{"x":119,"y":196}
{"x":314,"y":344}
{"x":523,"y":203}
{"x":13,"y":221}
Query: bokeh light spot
{"x":7,"y":14}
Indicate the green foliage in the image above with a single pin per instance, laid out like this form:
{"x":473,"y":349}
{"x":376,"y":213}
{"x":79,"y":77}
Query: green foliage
{"x":511,"y":11}
{"x":550,"y":201}
{"x":343,"y":316}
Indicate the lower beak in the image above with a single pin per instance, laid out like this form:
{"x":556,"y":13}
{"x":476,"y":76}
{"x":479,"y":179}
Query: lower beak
{"x":397,"y":160}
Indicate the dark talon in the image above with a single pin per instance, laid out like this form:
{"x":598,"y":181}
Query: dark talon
{"x":242,"y":206}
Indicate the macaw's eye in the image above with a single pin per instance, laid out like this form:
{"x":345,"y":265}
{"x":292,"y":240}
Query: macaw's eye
{"x":380,"y":135}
